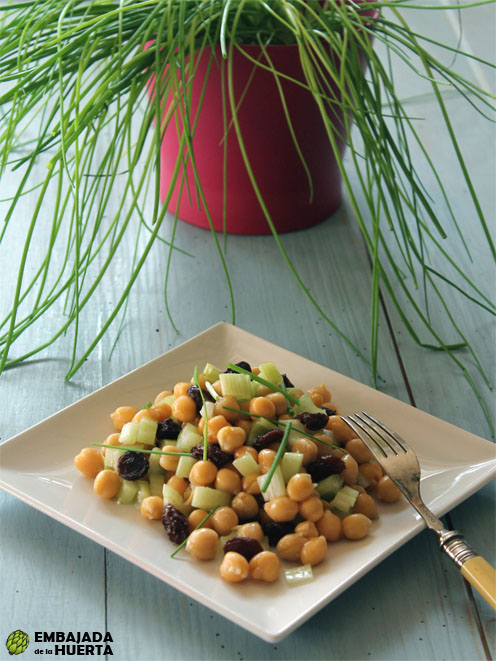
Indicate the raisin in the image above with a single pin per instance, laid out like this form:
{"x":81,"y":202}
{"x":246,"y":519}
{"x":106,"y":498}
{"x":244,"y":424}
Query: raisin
{"x":214,"y":454}
{"x":243,"y":364}
{"x":247,"y":546}
{"x":264,"y":440}
{"x":313,"y":421}
{"x":275,"y":530}
{"x":194,"y":393}
{"x":325,"y":466}
{"x":328,"y":410}
{"x":132,"y":465}
{"x":175,"y":524}
{"x":168,"y":429}
{"x":286,"y":381}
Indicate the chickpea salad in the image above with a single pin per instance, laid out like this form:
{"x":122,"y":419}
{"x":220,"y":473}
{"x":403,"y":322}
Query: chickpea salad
{"x":244,"y":466}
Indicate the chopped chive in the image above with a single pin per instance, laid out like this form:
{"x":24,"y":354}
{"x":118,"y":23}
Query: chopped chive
{"x":277,"y":458}
{"x":205,"y":416}
{"x":129,"y":449}
{"x":147,"y":405}
{"x":283,"y":386}
{"x":281,"y":424}
{"x":184,"y":542}
{"x":259,"y":379}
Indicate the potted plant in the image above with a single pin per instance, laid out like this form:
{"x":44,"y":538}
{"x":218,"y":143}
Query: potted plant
{"x":83,"y":71}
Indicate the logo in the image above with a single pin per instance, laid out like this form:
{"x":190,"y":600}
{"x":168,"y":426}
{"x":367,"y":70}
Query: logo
{"x":17,"y":642}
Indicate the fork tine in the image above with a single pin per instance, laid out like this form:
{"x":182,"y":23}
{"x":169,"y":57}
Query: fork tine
{"x":393,"y":440}
{"x":365,"y":435}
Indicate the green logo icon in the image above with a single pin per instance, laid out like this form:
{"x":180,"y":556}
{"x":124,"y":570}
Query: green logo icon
{"x":17,"y":642}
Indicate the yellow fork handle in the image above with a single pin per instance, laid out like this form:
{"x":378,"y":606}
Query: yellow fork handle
{"x":482,"y":576}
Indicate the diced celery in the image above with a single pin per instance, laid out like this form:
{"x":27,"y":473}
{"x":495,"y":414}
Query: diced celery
{"x":147,"y":430}
{"x":296,"y":427}
{"x":246,"y":465}
{"x":329,"y":486}
{"x":166,"y":441}
{"x":291,"y":464}
{"x":168,"y":399}
{"x":211,"y":373}
{"x":129,"y":433}
{"x":156,"y":484}
{"x":276,"y":487}
{"x":206,"y":498}
{"x":344,"y":501}
{"x":189,"y":436}
{"x":236,"y":385}
{"x":225,"y":538}
{"x":209,"y":407}
{"x":212,"y":390}
{"x":143,"y":490}
{"x":258,"y":428}
{"x":362,"y":481}
{"x":172,"y":497}
{"x":112,"y":457}
{"x":127,"y":492}
{"x":299,"y":575}
{"x":154,"y":467}
{"x":270,"y":373}
{"x":184,"y":466}
{"x":306,"y":405}
{"x":254,"y":385}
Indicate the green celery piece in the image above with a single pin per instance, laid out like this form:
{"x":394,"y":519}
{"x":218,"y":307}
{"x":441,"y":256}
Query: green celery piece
{"x":269,"y":372}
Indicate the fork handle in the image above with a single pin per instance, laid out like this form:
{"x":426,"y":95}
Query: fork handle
{"x":477,"y":571}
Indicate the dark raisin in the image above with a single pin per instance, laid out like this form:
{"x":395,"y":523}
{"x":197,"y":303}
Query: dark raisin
{"x":132,"y":465}
{"x":313,"y":421}
{"x":243,"y":364}
{"x":276,"y":529}
{"x":175,"y":524}
{"x":325,"y":466}
{"x":264,"y":440}
{"x":287,"y":382}
{"x":214,"y":454}
{"x":328,"y":410}
{"x":168,"y":429}
{"x":247,"y":546}
{"x":194,"y":393}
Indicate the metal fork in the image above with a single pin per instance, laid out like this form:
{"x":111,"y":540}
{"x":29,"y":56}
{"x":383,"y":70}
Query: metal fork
{"x":401,"y":464}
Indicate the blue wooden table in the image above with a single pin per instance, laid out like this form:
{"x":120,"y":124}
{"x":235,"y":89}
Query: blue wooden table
{"x":415,"y":604}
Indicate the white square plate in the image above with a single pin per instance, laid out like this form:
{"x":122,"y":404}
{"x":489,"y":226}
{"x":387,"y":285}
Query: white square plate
{"x":454,"y":465}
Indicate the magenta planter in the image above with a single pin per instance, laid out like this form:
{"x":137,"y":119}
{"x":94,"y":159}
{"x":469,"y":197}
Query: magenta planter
{"x":274,"y":158}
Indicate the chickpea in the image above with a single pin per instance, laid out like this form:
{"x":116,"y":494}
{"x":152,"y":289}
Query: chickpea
{"x":245,"y":505}
{"x":365,"y":504}
{"x":307,"y":448}
{"x":329,"y":525}
{"x":306,"y":529}
{"x":184,"y":408}
{"x":245,"y":425}
{"x":321,"y":390}
{"x":289,"y":547}
{"x":246,"y":449}
{"x":252,"y":530}
{"x":89,"y":462}
{"x":232,"y":403}
{"x":112,"y":439}
{"x":203,"y":543}
{"x":145,"y":413}
{"x":196,"y":517}
{"x":250,"y":483}
{"x":263,"y":391}
{"x":215,"y":424}
{"x":300,"y":486}
{"x":262,"y":406}
{"x":203,"y":473}
{"x":224,"y":519}
{"x":265,"y":566}
{"x":228,"y":480}
{"x":279,"y":401}
{"x":178,"y":483}
{"x":314,"y":551}
{"x":340,"y":429}
{"x":162,"y":395}
{"x":152,"y":507}
{"x":266,"y":459}
{"x":387,"y":491}
{"x":201,"y":381}
{"x":217,"y":386}
{"x":350,"y":473}
{"x":356,"y":526}
{"x":231,"y":438}
{"x":359,"y":451}
{"x":181,"y":389}
{"x":161,"y":411}
{"x":281,"y":509}
{"x":107,"y":484}
{"x":311,"y":509}
{"x":123,"y":414}
{"x":234,"y":567}
{"x":372,"y":472}
{"x":316,"y":398}
{"x":167,"y":461}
